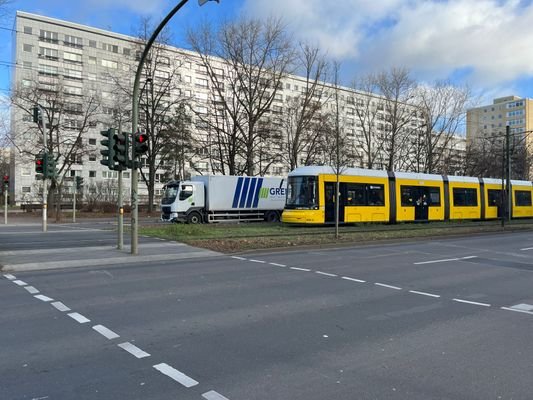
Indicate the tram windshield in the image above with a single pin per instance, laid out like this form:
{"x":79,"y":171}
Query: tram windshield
{"x":302,"y":192}
{"x":170,"y":194}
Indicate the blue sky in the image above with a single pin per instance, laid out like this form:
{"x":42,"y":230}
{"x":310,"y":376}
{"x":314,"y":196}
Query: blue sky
{"x":482,"y":43}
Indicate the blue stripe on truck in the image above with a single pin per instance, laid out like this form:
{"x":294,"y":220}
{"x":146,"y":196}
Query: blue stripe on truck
{"x":251,"y":193}
{"x":244,"y":192}
{"x":257,"y":190}
{"x":237,"y":192}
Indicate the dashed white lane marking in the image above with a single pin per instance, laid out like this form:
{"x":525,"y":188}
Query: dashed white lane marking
{"x":523,"y":307}
{"x":257,"y":261}
{"x":424,"y":293}
{"x":60,"y":306}
{"x":31,"y":289}
{"x":388,"y":286}
{"x":10,"y":277}
{"x":178,"y":376}
{"x":133,"y":350}
{"x":20,"y":283}
{"x":105,"y":332}
{"x":78,"y":317}
{"x":445,"y":260}
{"x":325,"y":273}
{"x":278,"y":265}
{"x":43,"y":298}
{"x":238,"y":258}
{"x":527,"y":248}
{"x":300,"y":269}
{"x":517,"y":310}
{"x":353,"y":279}
{"x":212,"y":395}
{"x":472,"y":302}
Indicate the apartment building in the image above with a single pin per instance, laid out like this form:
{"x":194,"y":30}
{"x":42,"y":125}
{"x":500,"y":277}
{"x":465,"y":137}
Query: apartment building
{"x":85,"y":62}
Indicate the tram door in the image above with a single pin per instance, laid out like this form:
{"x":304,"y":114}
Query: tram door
{"x":329,"y":192}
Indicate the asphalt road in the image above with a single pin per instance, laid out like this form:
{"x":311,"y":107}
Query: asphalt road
{"x":436,"y":319}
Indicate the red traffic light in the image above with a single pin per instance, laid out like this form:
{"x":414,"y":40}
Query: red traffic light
{"x":6,"y":179}
{"x":142,"y":137}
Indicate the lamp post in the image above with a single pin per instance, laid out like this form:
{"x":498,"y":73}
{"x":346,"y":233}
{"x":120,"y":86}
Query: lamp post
{"x":135,"y":122}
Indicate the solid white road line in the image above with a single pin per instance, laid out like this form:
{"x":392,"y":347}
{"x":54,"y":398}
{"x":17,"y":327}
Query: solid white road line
{"x":78,"y":317}
{"x":325,"y":273}
{"x":472,"y":302}
{"x":388,"y":286}
{"x":424,"y":293}
{"x":523,"y":307}
{"x":257,"y":261}
{"x":31,"y":289}
{"x":238,"y":258}
{"x":353,"y":279}
{"x":20,"y":283}
{"x":60,"y":306}
{"x":278,"y":265}
{"x":517,"y":310}
{"x":300,"y":269}
{"x":444,"y":260}
{"x":43,"y":298}
{"x":105,"y":332}
{"x":133,"y":350}
{"x":10,"y":277}
{"x":212,"y":395}
{"x":178,"y":376}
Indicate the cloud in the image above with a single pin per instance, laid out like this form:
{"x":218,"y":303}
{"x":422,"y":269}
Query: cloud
{"x":483,"y":41}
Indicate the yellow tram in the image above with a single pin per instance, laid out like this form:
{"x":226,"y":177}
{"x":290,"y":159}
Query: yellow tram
{"x":381,"y":196}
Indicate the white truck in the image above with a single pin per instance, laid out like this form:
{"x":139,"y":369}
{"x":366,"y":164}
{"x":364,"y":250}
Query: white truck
{"x":215,"y":198}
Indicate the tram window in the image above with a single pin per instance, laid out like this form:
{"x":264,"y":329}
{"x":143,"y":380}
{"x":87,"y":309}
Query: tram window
{"x":494,"y":197}
{"x":302,"y":192}
{"x":434,"y":196}
{"x":376,"y":195}
{"x":522,"y":198}
{"x":408,"y":198}
{"x":411,"y":194}
{"x":355,"y":194}
{"x":464,"y":197}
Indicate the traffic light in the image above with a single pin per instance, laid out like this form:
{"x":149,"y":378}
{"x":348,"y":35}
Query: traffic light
{"x":6,"y":180}
{"x":140,"y":145}
{"x":50,"y":166}
{"x":37,"y":116}
{"x":79,"y":182}
{"x":40,"y":163}
{"x":109,"y":153}
{"x":121,"y":150}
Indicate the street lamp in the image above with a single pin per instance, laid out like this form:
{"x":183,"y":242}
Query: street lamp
{"x":135,"y":122}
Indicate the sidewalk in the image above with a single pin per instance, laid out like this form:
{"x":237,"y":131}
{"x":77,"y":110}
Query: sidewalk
{"x":26,"y":248}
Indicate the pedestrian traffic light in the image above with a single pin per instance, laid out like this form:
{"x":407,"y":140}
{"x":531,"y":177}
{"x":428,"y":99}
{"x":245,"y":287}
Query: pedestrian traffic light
{"x":121,"y":152}
{"x":50,"y":166}
{"x":6,"y":180}
{"x":109,"y":152}
{"x":140,"y":145}
{"x":40,"y":163}
{"x":79,"y":182}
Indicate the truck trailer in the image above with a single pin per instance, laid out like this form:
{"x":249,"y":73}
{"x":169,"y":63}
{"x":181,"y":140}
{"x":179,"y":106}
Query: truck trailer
{"x":216,"y":198}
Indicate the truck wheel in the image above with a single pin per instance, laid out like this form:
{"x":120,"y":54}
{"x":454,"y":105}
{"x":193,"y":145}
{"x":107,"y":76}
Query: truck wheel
{"x":271,"y":216}
{"x":194,"y":218}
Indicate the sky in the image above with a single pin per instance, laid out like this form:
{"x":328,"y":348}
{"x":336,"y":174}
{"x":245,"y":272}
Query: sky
{"x":484,"y":44}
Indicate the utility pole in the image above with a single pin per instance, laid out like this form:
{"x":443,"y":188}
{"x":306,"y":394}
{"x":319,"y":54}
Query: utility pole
{"x":508,"y":177}
{"x":135,"y":123}
{"x":74,"y":200}
{"x":45,"y":189}
{"x":502,"y":195}
{"x":5,"y":192}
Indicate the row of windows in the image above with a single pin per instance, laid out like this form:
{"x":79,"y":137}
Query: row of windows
{"x":361,"y":194}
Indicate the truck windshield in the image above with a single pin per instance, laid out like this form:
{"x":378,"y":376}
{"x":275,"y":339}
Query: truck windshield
{"x":170,"y":194}
{"x":302,"y":192}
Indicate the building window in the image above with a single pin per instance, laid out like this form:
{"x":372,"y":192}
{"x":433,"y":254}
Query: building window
{"x":109,"y":64}
{"x":126,"y":175}
{"x":72,"y":74}
{"x":48,"y":70}
{"x":92,"y":174}
{"x":27,"y":47}
{"x":92,"y":60}
{"x":48,"y":36}
{"x":28,"y":30}
{"x":126,"y":51}
{"x":110,"y":47}
{"x":73,"y":90}
{"x":72,"y":57}
{"x":73,"y":41}
{"x":92,"y":43}
{"x":91,"y":76}
{"x":49,"y":54}
{"x":27,"y":64}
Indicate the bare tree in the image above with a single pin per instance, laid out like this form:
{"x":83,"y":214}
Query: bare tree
{"x":301,"y":112}
{"x":69,"y":114}
{"x":443,"y":108}
{"x":256,"y":55}
{"x":398,"y":92}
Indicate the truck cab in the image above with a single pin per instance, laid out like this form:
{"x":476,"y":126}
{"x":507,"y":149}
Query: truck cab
{"x":183,"y":201}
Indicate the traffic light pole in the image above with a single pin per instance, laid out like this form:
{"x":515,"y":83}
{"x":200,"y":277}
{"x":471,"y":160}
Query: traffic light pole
{"x":45,"y":189}
{"x":74,"y":201}
{"x":508,"y":153}
{"x":6,"y":188}
{"x":120,"y":201}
